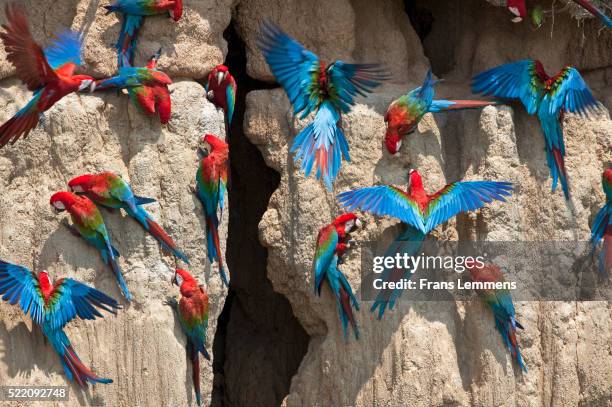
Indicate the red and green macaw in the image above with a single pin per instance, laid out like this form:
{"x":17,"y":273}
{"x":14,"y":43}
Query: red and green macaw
{"x":52,"y":307}
{"x":133,"y":12}
{"x":88,"y":223}
{"x":550,"y":97}
{"x":192,"y":310}
{"x":500,"y":302}
{"x":332,"y":242}
{"x":221,"y":91}
{"x":311,"y":87}
{"x":110,"y":190}
{"x":49,"y":73}
{"x":147,"y":88}
{"x":421,"y":212}
{"x":404,"y":114}
{"x":602,"y":226}
{"x":519,"y":9}
{"x":211,"y":188}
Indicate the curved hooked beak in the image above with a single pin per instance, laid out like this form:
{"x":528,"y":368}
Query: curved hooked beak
{"x":87,"y":83}
{"x":173,"y":280}
{"x":220,"y":77}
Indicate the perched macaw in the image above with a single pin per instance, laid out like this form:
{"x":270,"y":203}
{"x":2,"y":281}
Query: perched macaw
{"x":602,"y":226}
{"x":404,"y":114}
{"x":192,"y":310}
{"x":52,"y":306}
{"x":110,"y":190}
{"x":332,"y":242}
{"x":314,"y":87}
{"x":550,"y":97}
{"x":421,"y":213}
{"x":518,"y":8}
{"x":500,"y":302}
{"x":88,"y":223}
{"x":221,"y":91}
{"x":49,"y":74}
{"x":211,"y":188}
{"x":133,"y":12}
{"x":147,"y":88}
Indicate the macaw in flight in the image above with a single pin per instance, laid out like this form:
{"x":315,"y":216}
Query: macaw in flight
{"x":49,"y":73}
{"x":500,"y":302}
{"x":326,"y":90}
{"x":133,"y":12}
{"x":404,"y":114}
{"x":421,"y":212}
{"x":110,"y":190}
{"x":332,"y":242}
{"x":192,"y":311}
{"x":52,"y":307}
{"x":550,"y":97}
{"x":601,"y":231}
{"x":146,"y":86}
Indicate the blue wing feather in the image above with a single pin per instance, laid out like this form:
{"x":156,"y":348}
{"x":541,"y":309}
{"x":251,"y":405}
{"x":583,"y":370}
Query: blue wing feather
{"x":65,"y":49}
{"x":17,"y":283}
{"x":516,"y":80}
{"x":463,"y":196}
{"x":384,"y":200}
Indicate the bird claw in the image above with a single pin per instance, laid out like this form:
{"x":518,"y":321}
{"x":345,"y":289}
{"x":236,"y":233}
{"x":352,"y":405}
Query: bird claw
{"x":171,"y":302}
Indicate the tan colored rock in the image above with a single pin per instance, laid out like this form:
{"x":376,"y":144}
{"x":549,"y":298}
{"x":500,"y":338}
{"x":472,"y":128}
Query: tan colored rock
{"x":349,"y":30}
{"x":142,"y":348}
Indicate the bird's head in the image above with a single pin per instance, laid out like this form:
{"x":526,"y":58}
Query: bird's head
{"x":349,"y":221}
{"x":177,"y":11}
{"x":86,"y":82}
{"x":61,"y":201}
{"x":210,"y":143}
{"x":393,"y":142}
{"x":219,"y":73}
{"x":184,"y":281}
{"x":81,"y":184}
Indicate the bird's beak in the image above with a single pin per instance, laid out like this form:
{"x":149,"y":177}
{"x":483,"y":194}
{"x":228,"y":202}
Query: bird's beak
{"x":358,"y":223}
{"x":173,"y":280}
{"x":92,"y":87}
{"x":220,"y":77}
{"x":203,"y":152}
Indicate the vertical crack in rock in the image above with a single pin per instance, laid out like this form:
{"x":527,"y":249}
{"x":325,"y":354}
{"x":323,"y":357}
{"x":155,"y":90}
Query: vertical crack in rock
{"x":259,"y":344}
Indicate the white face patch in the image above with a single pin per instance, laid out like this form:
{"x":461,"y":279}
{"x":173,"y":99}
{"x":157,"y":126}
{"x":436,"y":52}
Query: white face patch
{"x":77,"y":188}
{"x":350,"y":225}
{"x":59,"y":205}
{"x":179,"y":279}
{"x":85,"y":84}
{"x":357,"y":223}
{"x":398,"y":145}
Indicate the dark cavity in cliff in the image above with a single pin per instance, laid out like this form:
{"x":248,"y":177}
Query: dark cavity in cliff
{"x":259,"y":344}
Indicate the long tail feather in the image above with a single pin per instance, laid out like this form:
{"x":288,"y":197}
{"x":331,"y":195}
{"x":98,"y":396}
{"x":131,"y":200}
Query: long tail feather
{"x":595,"y":11}
{"x":322,"y":144}
{"x":213,"y":246}
{"x":126,"y":45}
{"x":166,"y":241}
{"x":605,"y":257}
{"x":441,"y":105}
{"x":109,"y":256}
{"x":195,"y":363}
{"x":73,"y":367}
{"x":347,"y":312}
{"x":21,"y":124}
